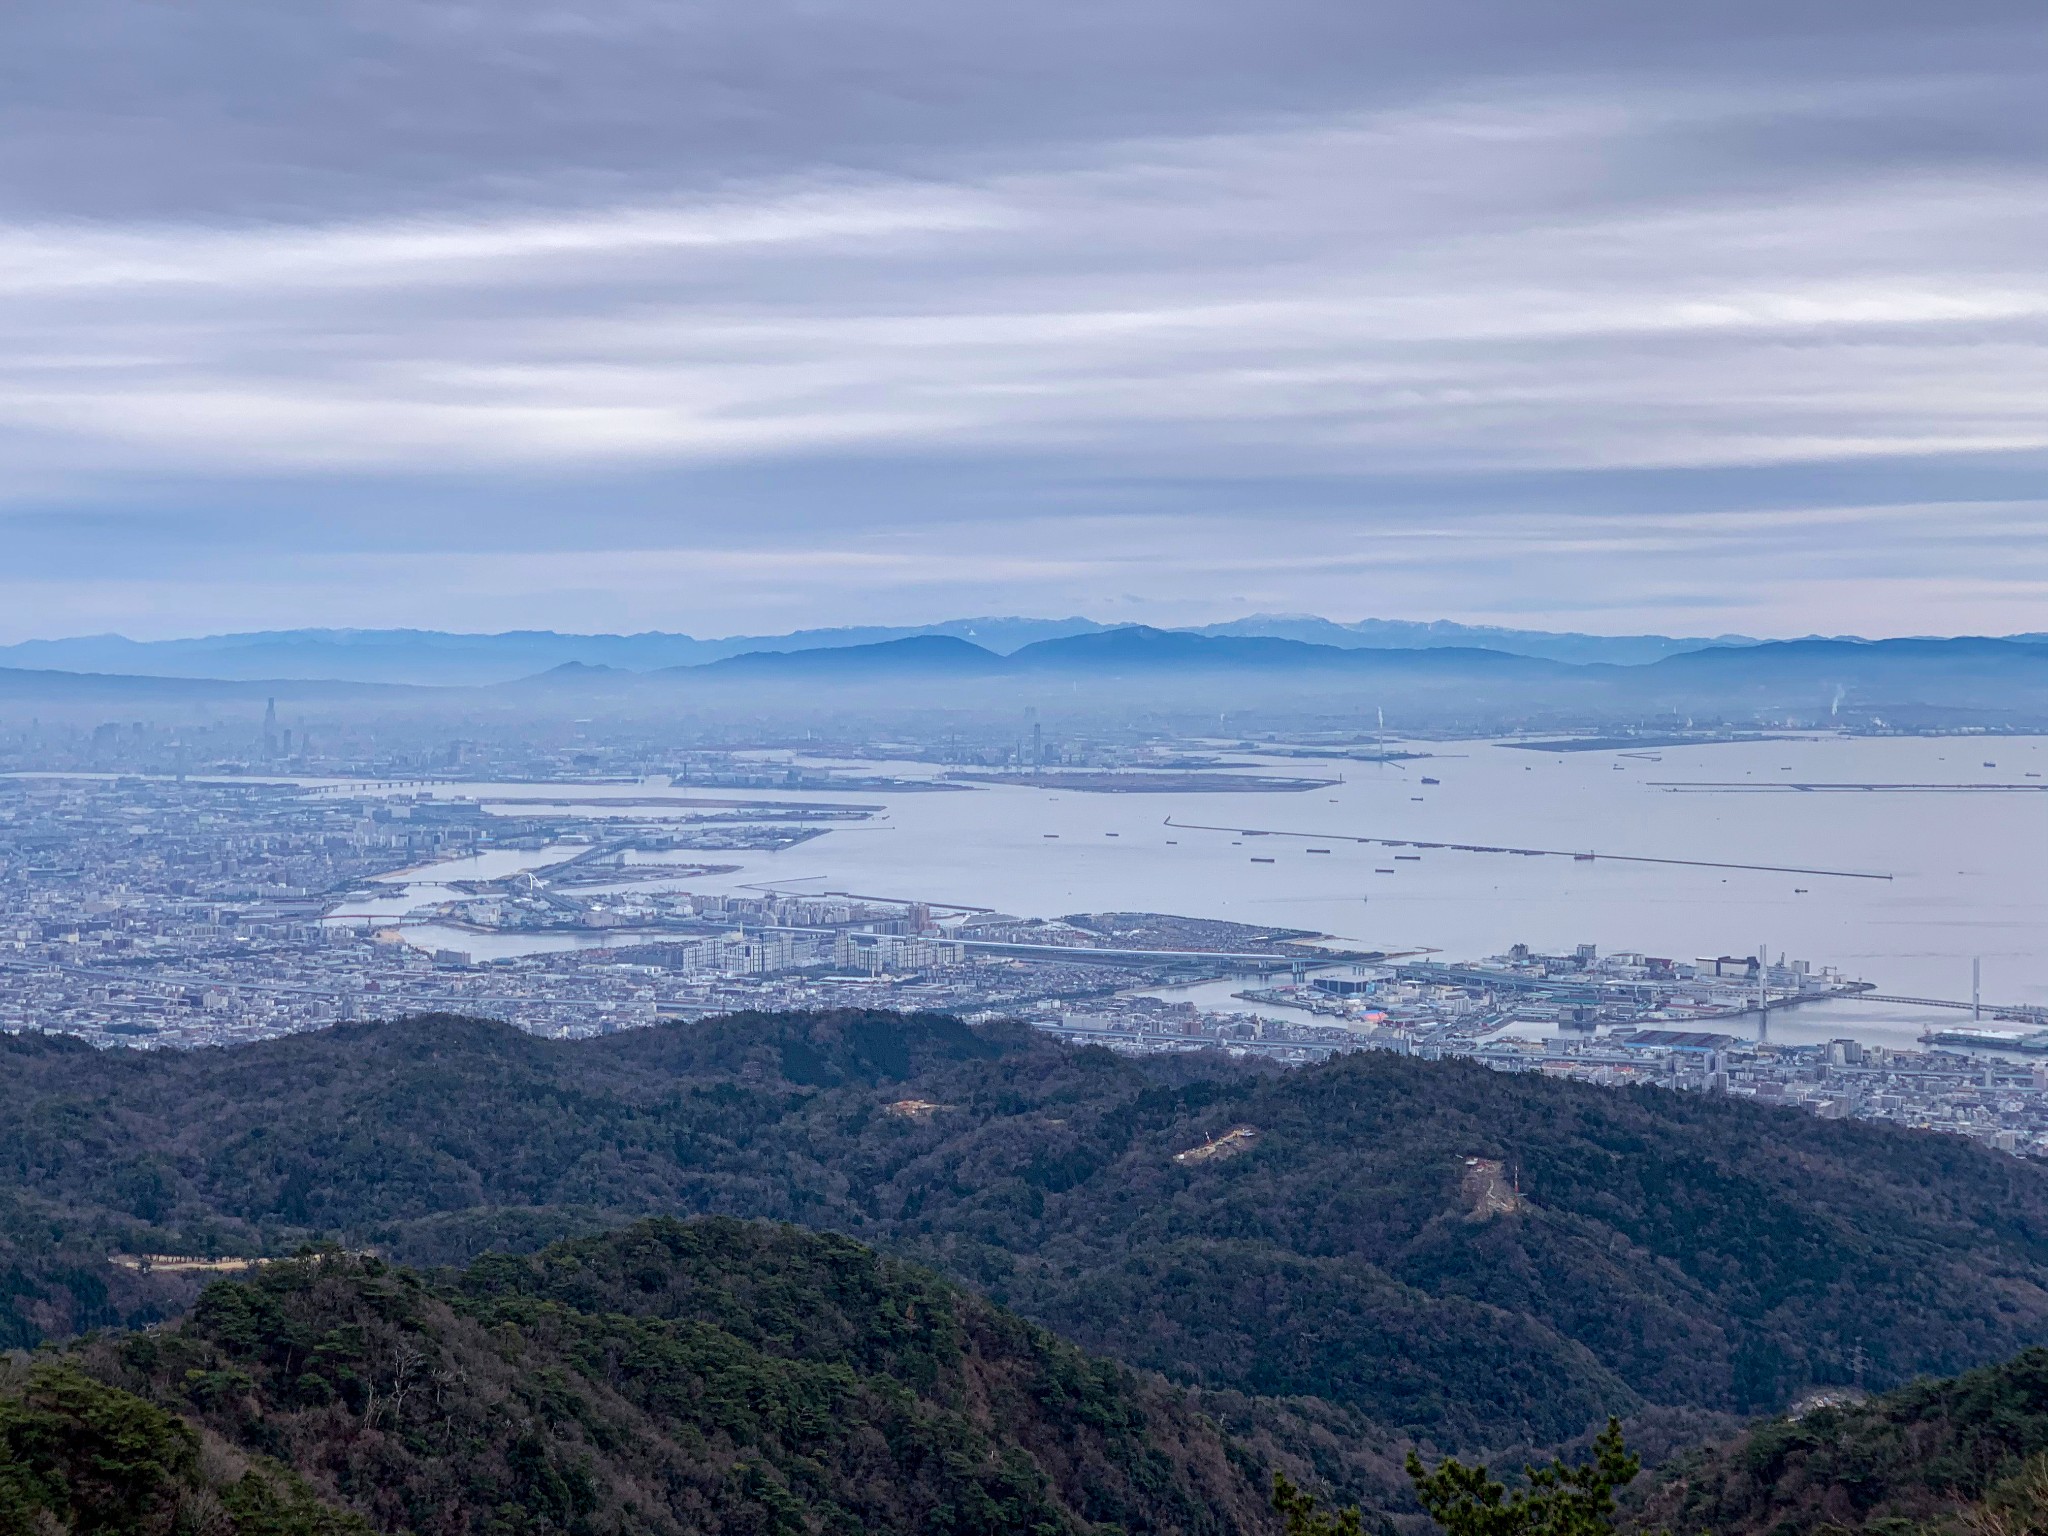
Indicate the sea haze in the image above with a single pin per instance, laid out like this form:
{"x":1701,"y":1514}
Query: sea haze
{"x":1115,"y":678}
{"x":434,"y":656}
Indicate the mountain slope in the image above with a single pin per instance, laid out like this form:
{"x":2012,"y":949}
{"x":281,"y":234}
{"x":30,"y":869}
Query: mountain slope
{"x":912,"y":656}
{"x":1988,"y":675}
{"x":1918,"y":1456}
{"x":1138,"y":648}
{"x":78,"y":1455}
{"x":1622,"y":650}
{"x":671,"y":1377}
{"x":1672,"y":1253}
{"x":29,"y":686}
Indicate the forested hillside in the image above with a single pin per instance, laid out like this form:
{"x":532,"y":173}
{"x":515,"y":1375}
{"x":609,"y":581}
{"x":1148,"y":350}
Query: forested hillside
{"x":672,"y":1377}
{"x":1338,"y":1275}
{"x":78,"y":1455}
{"x":1966,"y":1453}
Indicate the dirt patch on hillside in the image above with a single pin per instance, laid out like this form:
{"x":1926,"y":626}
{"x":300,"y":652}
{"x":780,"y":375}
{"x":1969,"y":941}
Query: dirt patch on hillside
{"x":1239,"y":1138}
{"x":916,"y":1109}
{"x":1488,"y":1189}
{"x":174,"y":1263}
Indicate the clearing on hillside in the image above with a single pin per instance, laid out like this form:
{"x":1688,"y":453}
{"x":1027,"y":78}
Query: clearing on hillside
{"x":1488,"y":1189}
{"x":1239,"y":1138}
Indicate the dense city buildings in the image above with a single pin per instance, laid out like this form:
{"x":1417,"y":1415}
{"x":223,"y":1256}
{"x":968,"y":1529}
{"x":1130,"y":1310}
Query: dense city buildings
{"x":165,"y":912}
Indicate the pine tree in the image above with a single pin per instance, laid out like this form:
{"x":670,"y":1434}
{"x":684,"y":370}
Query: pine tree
{"x":1560,"y":1500}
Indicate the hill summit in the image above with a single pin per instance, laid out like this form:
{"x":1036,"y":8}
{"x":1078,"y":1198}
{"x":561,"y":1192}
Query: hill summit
{"x":670,"y":1377}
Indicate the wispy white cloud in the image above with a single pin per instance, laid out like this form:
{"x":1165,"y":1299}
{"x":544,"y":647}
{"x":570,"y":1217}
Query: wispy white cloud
{"x":1311,"y":290}
{"x":1366,"y":326}
{"x":51,"y":259}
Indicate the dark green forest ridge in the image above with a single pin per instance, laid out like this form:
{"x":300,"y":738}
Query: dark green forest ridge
{"x":1335,"y":1286}
{"x":671,"y":1377}
{"x":1968,"y":1454}
{"x":79,"y":1456}
{"x":717,"y":1375}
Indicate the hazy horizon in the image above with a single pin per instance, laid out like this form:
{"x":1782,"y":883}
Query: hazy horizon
{"x":10,"y":640}
{"x":145,"y":637}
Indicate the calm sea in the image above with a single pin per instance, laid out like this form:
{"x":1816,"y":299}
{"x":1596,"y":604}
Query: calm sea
{"x":1968,"y":868}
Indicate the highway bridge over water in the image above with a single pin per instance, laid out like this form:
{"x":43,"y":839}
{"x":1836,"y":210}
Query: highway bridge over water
{"x":2034,"y":1011}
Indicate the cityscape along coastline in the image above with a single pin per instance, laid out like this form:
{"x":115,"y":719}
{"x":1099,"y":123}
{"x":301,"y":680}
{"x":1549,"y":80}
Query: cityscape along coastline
{"x":160,"y":913}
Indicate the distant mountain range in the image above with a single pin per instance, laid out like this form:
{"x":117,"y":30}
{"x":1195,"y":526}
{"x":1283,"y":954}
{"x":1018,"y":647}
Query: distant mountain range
{"x":433,"y":656}
{"x":1994,"y":680}
{"x":1104,"y":656}
{"x":1183,"y":673}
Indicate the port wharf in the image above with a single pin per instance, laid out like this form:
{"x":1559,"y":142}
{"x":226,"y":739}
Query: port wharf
{"x":1648,"y":993}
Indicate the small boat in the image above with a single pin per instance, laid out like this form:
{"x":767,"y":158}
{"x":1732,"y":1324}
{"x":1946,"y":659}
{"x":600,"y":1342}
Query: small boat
{"x":1318,"y":850}
{"x":1412,"y":858}
{"x":1052,"y":834}
{"x":1257,"y":860}
{"x":1432,"y":781}
{"x":1112,"y":834}
{"x":1584,"y":858}
{"x":1416,"y":798}
{"x":1384,"y":871}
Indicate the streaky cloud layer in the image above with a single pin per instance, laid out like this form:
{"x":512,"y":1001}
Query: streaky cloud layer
{"x":1138,"y":311}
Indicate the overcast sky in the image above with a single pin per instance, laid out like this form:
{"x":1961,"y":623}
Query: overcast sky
{"x":741,"y":316}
